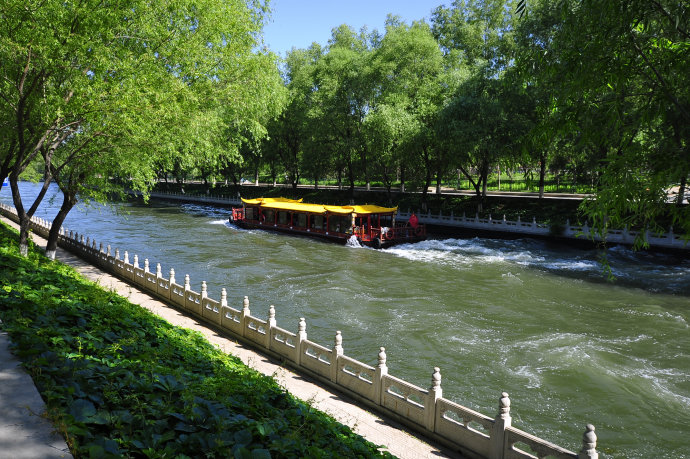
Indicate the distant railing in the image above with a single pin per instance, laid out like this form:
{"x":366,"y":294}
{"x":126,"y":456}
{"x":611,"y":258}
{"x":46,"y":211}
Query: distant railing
{"x":209,"y":198}
{"x":424,"y":410}
{"x":579,"y":232}
{"x":568,"y":231}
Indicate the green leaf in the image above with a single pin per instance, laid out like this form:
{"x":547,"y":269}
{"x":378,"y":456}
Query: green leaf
{"x":82,"y":410}
{"x":261,"y":453}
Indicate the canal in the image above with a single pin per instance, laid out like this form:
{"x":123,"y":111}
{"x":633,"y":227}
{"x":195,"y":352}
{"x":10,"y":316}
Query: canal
{"x":536,"y":320}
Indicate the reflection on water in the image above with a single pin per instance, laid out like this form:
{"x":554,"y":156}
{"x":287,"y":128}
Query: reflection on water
{"x":533,"y":319}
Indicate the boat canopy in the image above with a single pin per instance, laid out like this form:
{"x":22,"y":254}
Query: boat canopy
{"x":299,"y":206}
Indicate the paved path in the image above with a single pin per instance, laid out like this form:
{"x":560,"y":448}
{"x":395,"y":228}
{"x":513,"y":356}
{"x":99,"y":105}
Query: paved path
{"x":24,"y":431}
{"x":375,"y":429}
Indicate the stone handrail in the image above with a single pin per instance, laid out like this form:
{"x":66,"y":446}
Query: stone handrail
{"x":583,"y":232}
{"x":423,"y":410}
{"x":221,"y":199}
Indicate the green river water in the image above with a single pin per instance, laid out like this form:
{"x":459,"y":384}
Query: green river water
{"x":538,"y":321}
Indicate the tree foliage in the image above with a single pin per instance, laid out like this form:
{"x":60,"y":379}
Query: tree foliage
{"x":112,"y":89}
{"x":597,"y":91}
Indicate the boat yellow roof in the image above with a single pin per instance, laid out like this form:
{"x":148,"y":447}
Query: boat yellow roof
{"x":299,"y":206}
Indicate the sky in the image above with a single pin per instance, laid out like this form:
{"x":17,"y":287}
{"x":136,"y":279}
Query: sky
{"x":298,"y":23}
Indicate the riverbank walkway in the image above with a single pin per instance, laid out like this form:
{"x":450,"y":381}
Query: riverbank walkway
{"x":25,"y":433}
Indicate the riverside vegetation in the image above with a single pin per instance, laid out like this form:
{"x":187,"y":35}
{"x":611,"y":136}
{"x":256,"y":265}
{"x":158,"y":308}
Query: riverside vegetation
{"x":120,"y":382}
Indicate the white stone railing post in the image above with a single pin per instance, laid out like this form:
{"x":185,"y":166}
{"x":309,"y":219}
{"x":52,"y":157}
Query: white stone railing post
{"x":187,"y":288}
{"x":502,"y":421}
{"x":172,"y":278}
{"x":136,"y":261}
{"x":146,"y":265}
{"x":204,"y":292}
{"x":245,"y":313}
{"x":301,"y":338}
{"x":435,"y":392}
{"x":337,"y":352}
{"x":381,"y":371}
{"x":159,"y":272}
{"x":589,"y":444}
{"x":271,"y":324}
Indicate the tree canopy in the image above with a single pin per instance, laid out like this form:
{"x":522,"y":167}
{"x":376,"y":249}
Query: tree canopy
{"x":108,"y":90}
{"x":596,"y":91}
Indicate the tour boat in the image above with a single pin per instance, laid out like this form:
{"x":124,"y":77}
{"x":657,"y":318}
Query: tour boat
{"x":368,"y":225}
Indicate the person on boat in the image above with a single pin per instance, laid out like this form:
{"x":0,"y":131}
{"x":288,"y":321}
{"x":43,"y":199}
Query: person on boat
{"x":413,"y":221}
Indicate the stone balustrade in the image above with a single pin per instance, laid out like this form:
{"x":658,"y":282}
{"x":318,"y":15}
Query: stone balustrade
{"x":423,"y":410}
{"x":666,"y":240}
{"x":210,"y":198}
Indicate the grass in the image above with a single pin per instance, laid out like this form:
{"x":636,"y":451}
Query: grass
{"x":120,"y":382}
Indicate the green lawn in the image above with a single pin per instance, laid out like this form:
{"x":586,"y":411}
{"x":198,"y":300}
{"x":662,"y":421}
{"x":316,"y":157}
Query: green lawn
{"x":120,"y":382}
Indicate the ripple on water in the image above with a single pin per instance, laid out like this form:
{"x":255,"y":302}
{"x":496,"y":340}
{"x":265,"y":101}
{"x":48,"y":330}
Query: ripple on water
{"x":538,"y":321}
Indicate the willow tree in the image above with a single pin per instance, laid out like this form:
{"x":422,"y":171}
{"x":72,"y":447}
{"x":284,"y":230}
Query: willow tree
{"x":122,"y":83}
{"x":409,"y":68}
{"x":619,"y":75}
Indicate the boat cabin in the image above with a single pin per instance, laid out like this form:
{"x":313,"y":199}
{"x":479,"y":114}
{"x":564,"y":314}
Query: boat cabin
{"x":370,"y":225}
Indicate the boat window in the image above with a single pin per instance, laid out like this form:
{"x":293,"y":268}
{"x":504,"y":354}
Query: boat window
{"x":270,"y":215}
{"x":317,"y":222}
{"x":282,"y":218}
{"x":338,"y":224}
{"x":301,"y":220}
{"x":249,"y":213}
{"x":333,"y":223}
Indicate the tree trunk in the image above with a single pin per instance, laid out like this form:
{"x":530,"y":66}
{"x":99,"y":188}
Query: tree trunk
{"x":485,"y":179}
{"x":25,"y":216}
{"x":681,"y":190}
{"x":402,"y":179}
{"x":351,"y":178}
{"x":68,"y":202}
{"x":425,"y":191}
{"x":438,"y":183}
{"x":542,"y":175}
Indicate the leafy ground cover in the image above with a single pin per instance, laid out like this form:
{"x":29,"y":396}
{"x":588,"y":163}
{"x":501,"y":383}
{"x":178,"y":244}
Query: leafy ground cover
{"x":120,"y":382}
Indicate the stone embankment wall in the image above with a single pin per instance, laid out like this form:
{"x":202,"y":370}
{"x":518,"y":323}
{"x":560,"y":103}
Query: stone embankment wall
{"x":580,"y":233}
{"x":422,"y":409}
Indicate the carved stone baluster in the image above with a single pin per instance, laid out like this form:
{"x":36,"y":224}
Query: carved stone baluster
{"x":589,"y":444}
{"x":435,"y":393}
{"x":301,"y":337}
{"x":379,"y":374}
{"x":337,"y":352}
{"x":501,"y":422}
{"x":271,"y":323}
